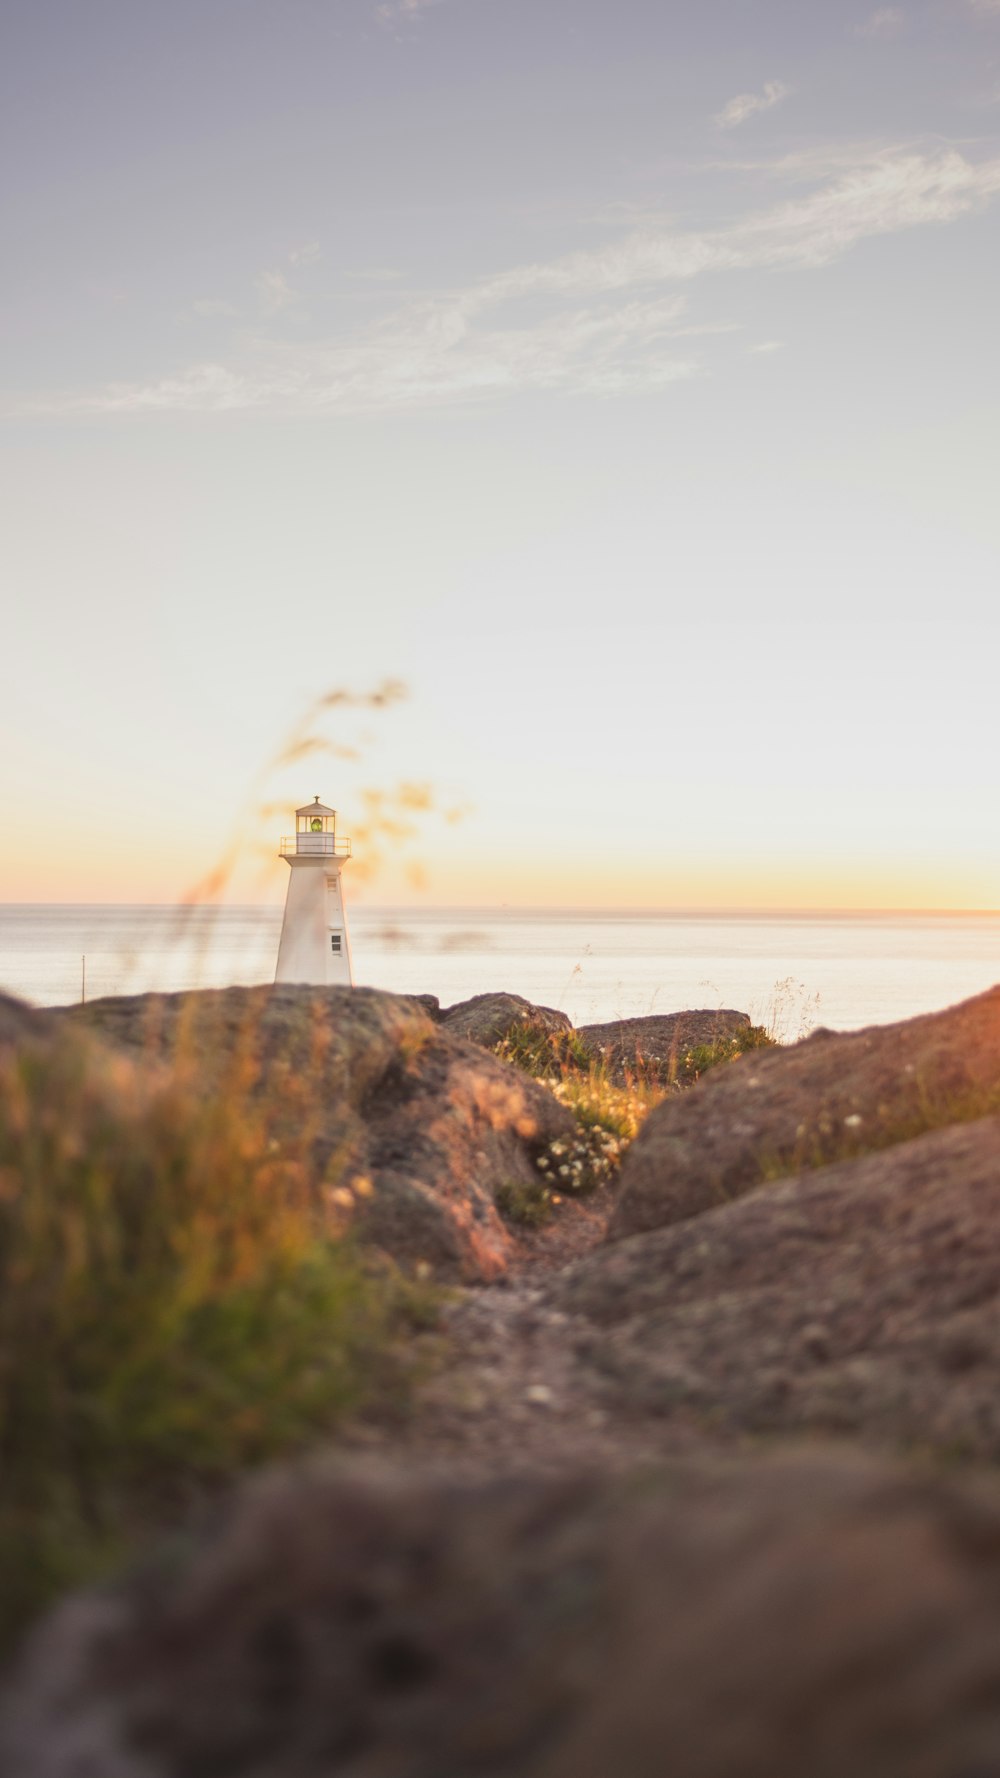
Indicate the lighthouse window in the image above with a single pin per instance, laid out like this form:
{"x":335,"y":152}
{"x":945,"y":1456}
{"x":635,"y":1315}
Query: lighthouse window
{"x":335,"y":942}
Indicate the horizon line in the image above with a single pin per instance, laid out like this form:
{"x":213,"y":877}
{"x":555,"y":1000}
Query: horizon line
{"x":645,"y":911}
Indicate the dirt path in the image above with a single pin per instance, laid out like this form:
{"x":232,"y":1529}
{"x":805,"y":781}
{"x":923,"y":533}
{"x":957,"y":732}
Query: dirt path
{"x":509,"y":1383}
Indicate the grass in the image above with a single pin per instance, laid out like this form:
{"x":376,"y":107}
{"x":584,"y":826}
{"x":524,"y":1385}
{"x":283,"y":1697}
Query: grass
{"x":830,"y":1138}
{"x":563,"y":1055}
{"x":696,"y":1061}
{"x":607,"y":1118}
{"x":542,"y":1053}
{"x":608,"y":1115}
{"x":597,"y":1103}
{"x":527,"y":1202}
{"x":172,"y":1310}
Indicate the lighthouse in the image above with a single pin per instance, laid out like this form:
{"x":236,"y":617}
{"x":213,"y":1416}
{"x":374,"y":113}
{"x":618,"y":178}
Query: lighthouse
{"x":314,"y":945}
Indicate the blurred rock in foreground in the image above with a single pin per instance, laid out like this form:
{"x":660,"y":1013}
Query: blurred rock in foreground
{"x":815,"y":1615}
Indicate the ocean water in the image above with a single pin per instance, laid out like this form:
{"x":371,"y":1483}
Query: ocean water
{"x":789,"y":971}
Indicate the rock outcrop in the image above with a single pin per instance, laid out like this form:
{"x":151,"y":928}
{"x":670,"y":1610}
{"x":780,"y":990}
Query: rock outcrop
{"x":860,"y":1299}
{"x":489,"y":1019}
{"x":805,"y":1248}
{"x":368,"y":1093}
{"x":776,"y":1109}
{"x":812,"y":1614}
{"x":653,"y":1048}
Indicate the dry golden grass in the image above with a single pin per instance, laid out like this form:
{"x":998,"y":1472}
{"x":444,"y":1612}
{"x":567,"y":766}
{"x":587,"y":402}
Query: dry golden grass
{"x":172,"y":1309}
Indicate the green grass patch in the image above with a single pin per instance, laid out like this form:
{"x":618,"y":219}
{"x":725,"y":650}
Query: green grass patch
{"x":542,"y":1053}
{"x":527,"y":1202}
{"x":696,"y":1061}
{"x":174,"y":1307}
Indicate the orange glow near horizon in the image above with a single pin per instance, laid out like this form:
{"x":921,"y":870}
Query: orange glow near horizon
{"x":164,"y":875}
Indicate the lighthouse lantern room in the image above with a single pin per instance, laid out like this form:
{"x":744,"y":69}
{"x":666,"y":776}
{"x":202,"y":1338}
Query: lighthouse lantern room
{"x":314,"y":947}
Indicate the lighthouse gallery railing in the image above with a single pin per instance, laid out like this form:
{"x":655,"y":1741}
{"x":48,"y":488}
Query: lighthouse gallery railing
{"x":321,"y":845}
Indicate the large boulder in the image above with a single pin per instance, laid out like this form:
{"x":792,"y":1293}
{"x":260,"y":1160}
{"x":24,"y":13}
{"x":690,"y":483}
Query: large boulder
{"x":385,"y":1111}
{"x":861,"y":1299}
{"x":814,"y":1614}
{"x":776,"y":1110}
{"x":490,"y":1019}
{"x":653,"y":1048}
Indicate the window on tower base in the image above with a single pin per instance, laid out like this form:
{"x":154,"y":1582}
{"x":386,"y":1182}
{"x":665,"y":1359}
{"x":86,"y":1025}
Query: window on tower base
{"x":335,"y":942}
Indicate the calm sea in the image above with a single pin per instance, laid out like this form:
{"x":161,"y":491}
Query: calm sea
{"x":790,"y":971}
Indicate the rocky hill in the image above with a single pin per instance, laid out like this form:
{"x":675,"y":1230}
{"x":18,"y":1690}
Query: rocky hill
{"x":697,"y":1472}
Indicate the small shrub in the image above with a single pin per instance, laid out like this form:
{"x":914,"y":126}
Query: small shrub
{"x":607,"y":1117}
{"x":172,"y":1308}
{"x":528,"y":1202}
{"x":588,"y":1159}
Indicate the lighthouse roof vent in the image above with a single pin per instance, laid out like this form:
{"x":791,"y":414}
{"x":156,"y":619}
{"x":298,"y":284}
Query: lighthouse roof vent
{"x":315,"y":808}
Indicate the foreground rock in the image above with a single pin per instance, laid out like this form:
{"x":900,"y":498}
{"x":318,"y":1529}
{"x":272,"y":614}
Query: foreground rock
{"x":815,"y":1615}
{"x":777,"y":1109}
{"x":861,"y":1299}
{"x":370,"y":1097}
{"x":490,"y":1019}
{"x":653,"y":1048}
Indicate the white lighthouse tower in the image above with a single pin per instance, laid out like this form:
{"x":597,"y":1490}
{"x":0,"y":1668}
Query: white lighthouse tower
{"x":314,"y":944}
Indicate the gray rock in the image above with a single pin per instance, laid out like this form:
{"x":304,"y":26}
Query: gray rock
{"x":861,"y":1299}
{"x":488,"y":1019}
{"x":815,"y":1614}
{"x":430,"y":1004}
{"x":653,"y":1048}
{"x":777,"y":1109}
{"x":365,"y":1088}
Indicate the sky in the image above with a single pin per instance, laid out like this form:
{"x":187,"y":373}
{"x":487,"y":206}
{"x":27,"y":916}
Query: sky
{"x":619,"y":377}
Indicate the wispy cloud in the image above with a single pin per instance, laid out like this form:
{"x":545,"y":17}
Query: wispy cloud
{"x":307,"y":254}
{"x":598,"y":322}
{"x":428,"y":354}
{"x":888,"y":21}
{"x":767,"y":346}
{"x":896,"y":189}
{"x":274,"y":291}
{"x":748,"y":104}
{"x":985,"y":6}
